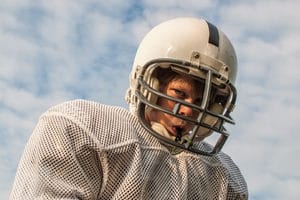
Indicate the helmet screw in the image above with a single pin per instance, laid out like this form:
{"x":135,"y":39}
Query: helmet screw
{"x":196,"y":55}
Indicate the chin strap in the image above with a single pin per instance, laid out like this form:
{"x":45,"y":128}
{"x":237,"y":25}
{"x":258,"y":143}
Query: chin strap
{"x":178,"y":134}
{"x":157,"y":127}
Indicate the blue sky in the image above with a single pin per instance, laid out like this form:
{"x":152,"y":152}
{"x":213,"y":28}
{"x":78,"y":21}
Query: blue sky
{"x":54,"y":51}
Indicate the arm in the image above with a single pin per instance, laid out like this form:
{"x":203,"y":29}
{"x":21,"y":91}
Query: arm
{"x":58,"y":163}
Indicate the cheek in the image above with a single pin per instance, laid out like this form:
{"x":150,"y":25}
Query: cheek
{"x":159,"y":116}
{"x":167,"y":104}
{"x":156,"y":116}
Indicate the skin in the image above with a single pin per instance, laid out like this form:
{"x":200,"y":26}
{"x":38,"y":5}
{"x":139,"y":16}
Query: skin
{"x":183,"y":88}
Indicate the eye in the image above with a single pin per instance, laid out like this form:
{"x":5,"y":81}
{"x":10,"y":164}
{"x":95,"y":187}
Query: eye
{"x":179,"y":93}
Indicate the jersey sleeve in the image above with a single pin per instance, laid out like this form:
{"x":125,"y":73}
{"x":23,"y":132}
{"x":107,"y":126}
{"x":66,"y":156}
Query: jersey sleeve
{"x":57,"y":163}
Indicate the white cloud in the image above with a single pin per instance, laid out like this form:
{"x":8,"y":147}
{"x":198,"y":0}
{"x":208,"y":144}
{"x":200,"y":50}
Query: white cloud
{"x":55,"y":51}
{"x":192,"y":5}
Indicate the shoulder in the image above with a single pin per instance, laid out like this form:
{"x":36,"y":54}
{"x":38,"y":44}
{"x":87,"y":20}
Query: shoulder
{"x":84,"y":111}
{"x":80,"y":107}
{"x":107,"y":124}
{"x":237,"y":185}
{"x":224,"y":169}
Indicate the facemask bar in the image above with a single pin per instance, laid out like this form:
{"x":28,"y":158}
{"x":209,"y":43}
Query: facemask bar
{"x":202,"y":109}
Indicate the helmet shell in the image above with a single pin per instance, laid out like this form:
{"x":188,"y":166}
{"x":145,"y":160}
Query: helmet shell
{"x":181,"y":38}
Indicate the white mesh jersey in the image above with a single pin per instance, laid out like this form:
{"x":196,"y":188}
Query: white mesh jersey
{"x":85,"y":150}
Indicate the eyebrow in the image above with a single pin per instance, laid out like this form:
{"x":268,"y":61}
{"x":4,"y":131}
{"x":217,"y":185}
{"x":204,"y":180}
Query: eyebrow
{"x":199,"y":94}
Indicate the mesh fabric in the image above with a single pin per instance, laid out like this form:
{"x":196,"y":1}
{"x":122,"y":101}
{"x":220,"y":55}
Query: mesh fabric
{"x":85,"y":150}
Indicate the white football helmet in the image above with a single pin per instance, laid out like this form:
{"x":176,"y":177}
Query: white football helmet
{"x":198,"y":49}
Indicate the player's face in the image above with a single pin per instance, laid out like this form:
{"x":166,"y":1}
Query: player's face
{"x":180,"y":87}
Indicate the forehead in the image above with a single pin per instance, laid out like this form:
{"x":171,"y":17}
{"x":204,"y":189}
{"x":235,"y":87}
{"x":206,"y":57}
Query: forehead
{"x":186,"y":83}
{"x":182,"y":80}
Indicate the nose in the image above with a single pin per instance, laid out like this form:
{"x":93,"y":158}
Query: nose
{"x":186,"y":110}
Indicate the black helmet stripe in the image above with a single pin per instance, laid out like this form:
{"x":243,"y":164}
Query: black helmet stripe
{"x":213,"y":34}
